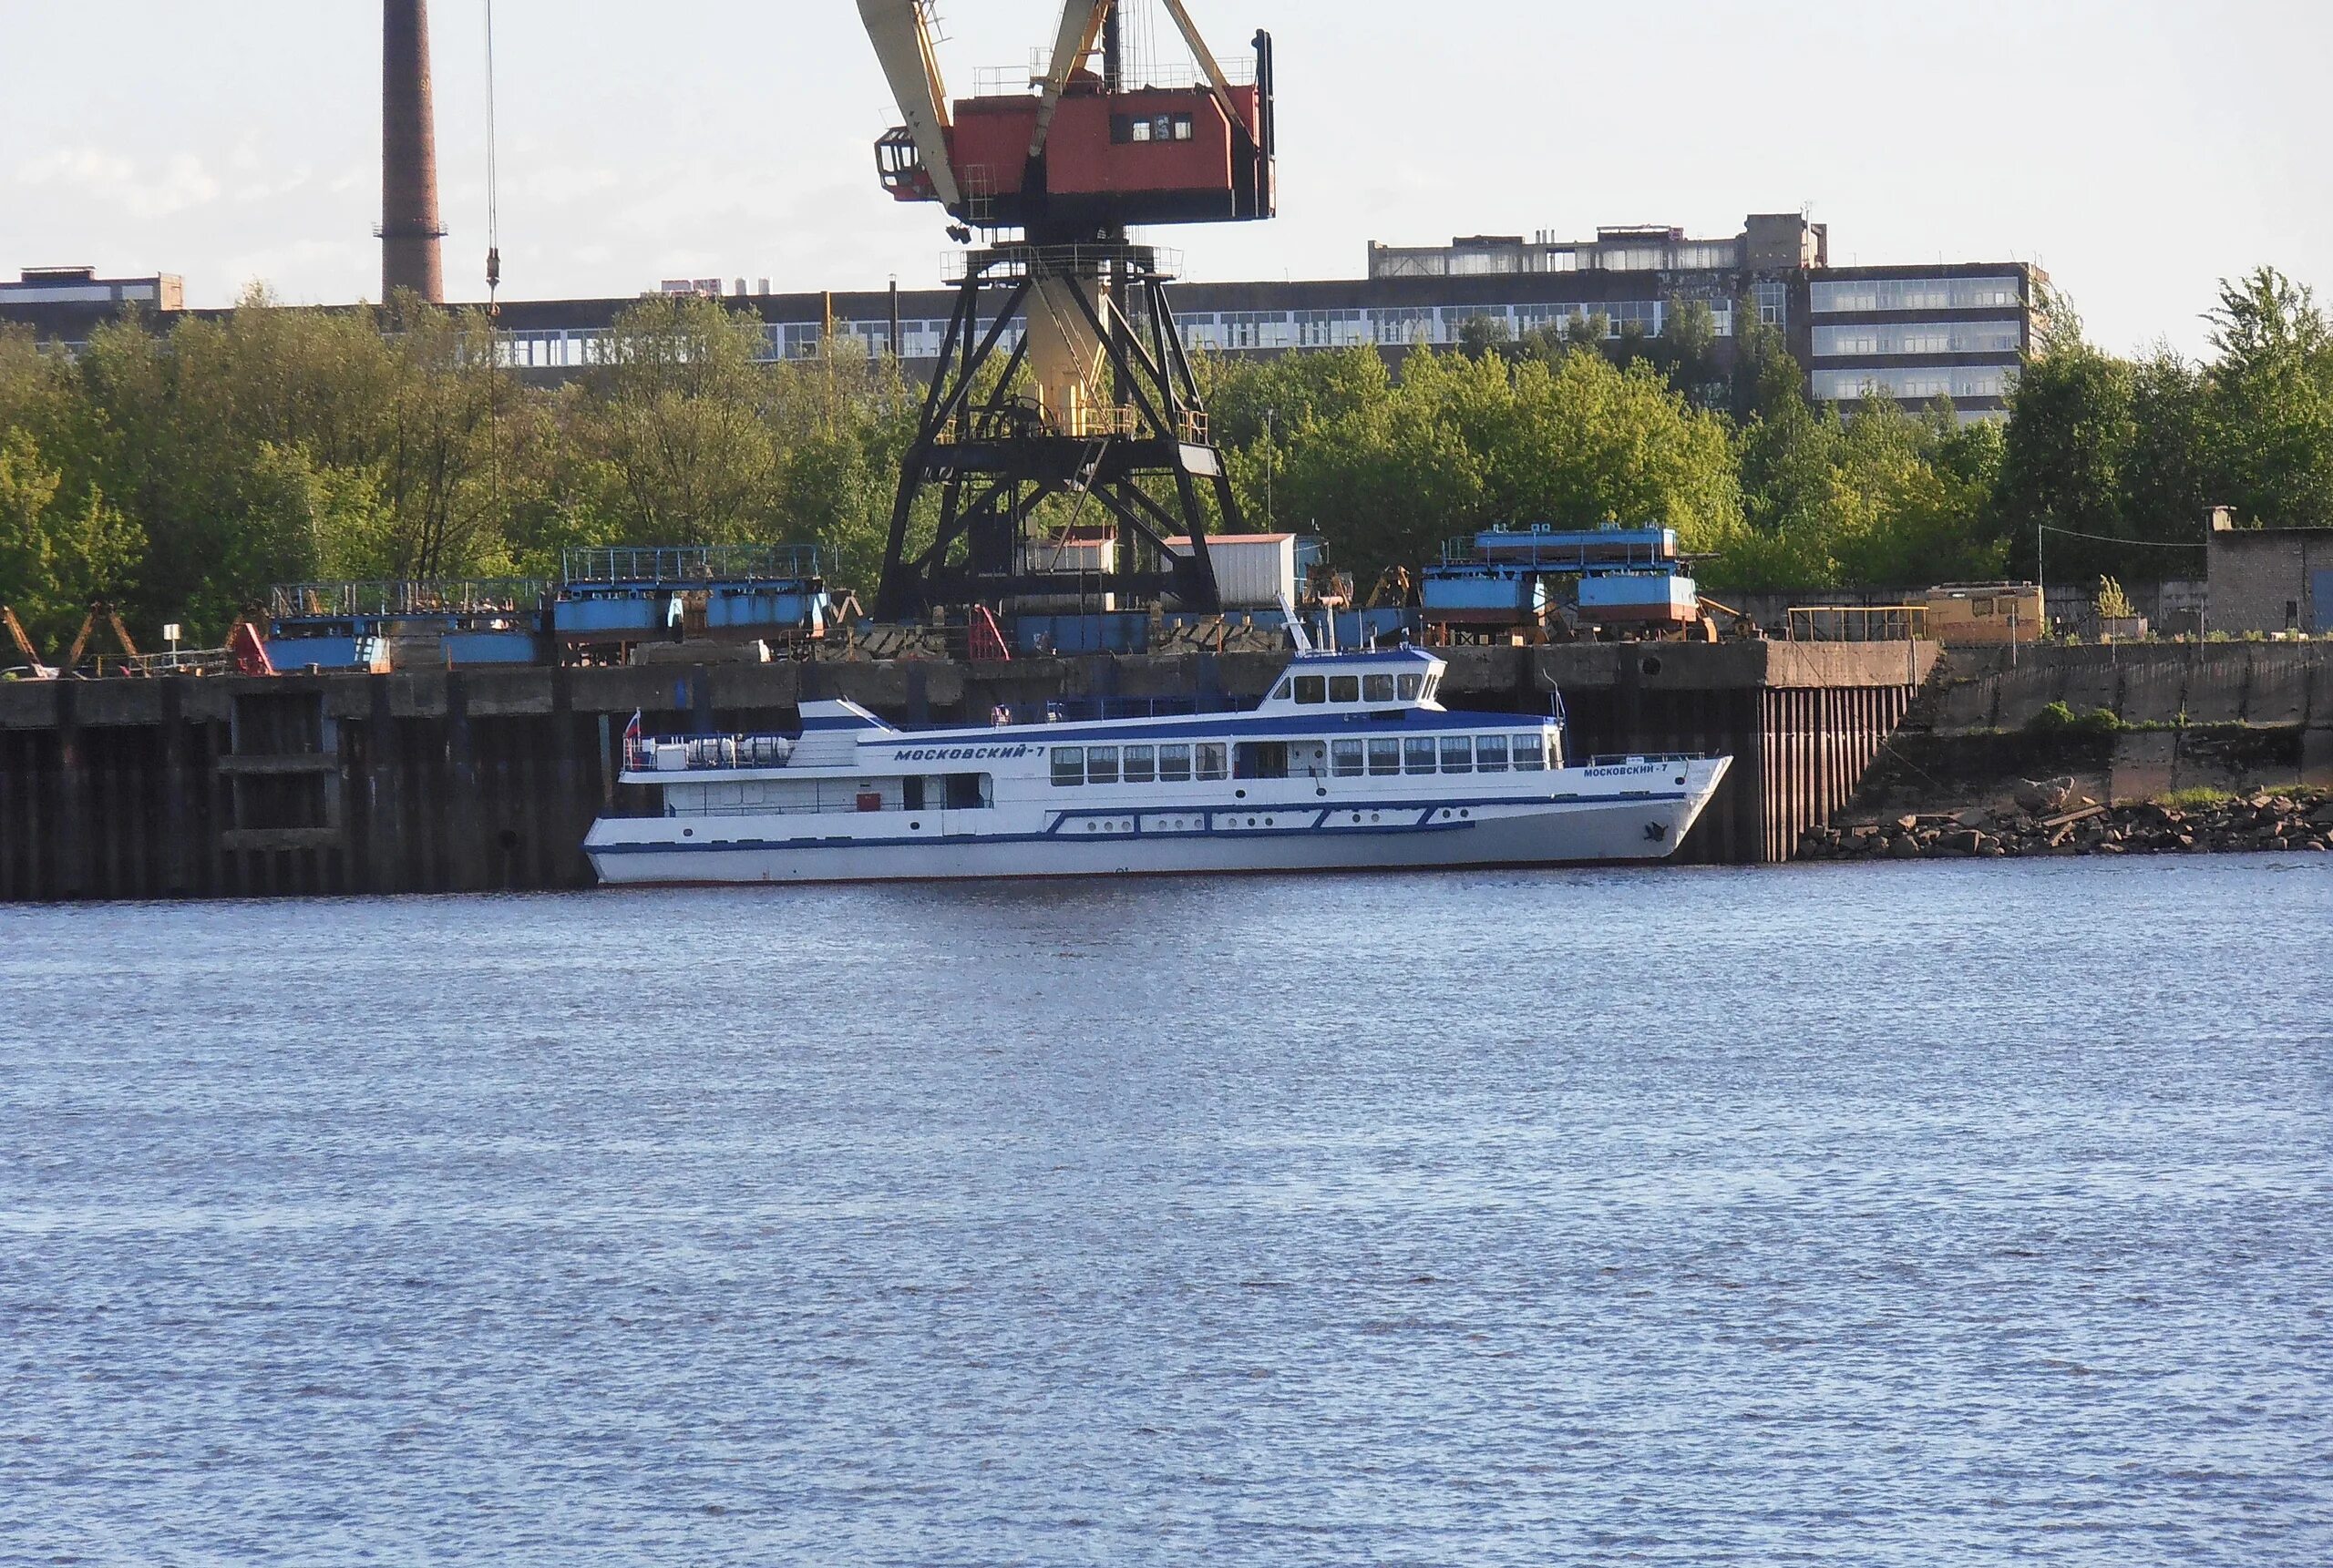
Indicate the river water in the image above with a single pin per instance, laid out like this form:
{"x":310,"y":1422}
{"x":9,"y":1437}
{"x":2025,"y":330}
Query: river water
{"x":1922,"y":1213}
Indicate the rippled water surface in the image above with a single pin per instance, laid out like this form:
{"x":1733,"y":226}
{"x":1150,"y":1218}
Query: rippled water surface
{"x":1931,"y":1214}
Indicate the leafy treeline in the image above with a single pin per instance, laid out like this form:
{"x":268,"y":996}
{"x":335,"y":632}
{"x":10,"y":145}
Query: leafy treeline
{"x":1575,"y":428}
{"x":181,"y":473}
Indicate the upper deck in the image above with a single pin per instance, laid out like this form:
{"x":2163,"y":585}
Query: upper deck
{"x":1318,"y":694}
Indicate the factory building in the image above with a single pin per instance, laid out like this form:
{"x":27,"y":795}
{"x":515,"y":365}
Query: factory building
{"x":2269,"y":579}
{"x":1913,"y":333}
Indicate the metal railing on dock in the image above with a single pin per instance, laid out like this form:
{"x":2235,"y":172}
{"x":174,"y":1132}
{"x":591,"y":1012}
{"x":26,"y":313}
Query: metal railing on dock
{"x":464,"y":596}
{"x":1856,"y":622}
{"x":681,"y":565}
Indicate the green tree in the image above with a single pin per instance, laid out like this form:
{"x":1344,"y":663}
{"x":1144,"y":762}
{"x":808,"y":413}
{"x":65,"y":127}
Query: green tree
{"x":674,"y":420}
{"x":2272,"y":388}
{"x":58,"y":551}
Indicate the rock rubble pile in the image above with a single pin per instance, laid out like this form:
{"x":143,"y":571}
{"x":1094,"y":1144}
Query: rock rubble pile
{"x":2050,"y":819}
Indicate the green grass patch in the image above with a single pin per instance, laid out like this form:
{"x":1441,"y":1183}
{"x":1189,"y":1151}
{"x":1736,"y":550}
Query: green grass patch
{"x":2060,"y":718}
{"x":2202,"y":798}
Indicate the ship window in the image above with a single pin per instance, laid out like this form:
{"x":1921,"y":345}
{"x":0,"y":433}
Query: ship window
{"x":911,"y":795}
{"x":1344,"y":759}
{"x":969,"y":792}
{"x":1174,"y":763}
{"x":1139,"y":766}
{"x":1384,"y":757}
{"x":1211,"y":760}
{"x":1417,"y":755}
{"x":1377,"y":688}
{"x":1457,"y":754}
{"x":1432,"y":684}
{"x":1490,"y":754}
{"x":1530,"y":751}
{"x":1411,"y":686}
{"x":1345,"y":688}
{"x":1312,"y":689}
{"x":1101,"y":764}
{"x":1069,"y":765}
{"x":1281,"y":695}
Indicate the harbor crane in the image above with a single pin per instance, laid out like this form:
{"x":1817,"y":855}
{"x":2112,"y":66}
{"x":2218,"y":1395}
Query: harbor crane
{"x":1109,"y":412}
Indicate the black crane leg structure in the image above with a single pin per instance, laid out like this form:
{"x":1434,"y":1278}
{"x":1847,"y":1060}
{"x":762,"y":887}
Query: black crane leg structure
{"x":993,"y":458}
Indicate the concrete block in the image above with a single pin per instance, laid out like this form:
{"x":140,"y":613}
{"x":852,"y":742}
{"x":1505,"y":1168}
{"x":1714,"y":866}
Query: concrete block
{"x":418,"y":694}
{"x":2215,"y":684}
{"x":2320,"y":683}
{"x":111,"y":703}
{"x":27,"y":704}
{"x":1575,"y":667}
{"x":1969,"y":704}
{"x":2277,"y":690}
{"x":2317,"y":757}
{"x":2145,"y":766}
{"x":508,"y":693}
{"x":2025,"y":690}
{"x":2154,"y":691}
{"x":738,"y":687}
{"x":2092,"y":678}
{"x":1845,"y":664}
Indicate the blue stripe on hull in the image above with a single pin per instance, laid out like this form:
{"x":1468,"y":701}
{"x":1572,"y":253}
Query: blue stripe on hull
{"x":1580,"y":834}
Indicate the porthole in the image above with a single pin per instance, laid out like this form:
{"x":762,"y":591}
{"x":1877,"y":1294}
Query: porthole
{"x":1463,"y":811}
{"x":1092,"y":825}
{"x":1251,"y":822}
{"x":688,"y":832}
{"x":915,"y":828}
{"x":1650,"y":666}
{"x":1268,"y":822}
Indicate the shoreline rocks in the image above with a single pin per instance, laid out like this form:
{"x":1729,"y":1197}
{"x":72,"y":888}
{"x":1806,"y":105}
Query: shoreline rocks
{"x":2051,"y":819}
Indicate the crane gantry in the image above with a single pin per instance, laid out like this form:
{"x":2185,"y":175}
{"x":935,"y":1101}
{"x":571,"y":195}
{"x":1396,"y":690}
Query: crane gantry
{"x":1052,"y":178}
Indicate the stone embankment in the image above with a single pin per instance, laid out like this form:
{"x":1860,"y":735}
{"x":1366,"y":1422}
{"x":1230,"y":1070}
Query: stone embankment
{"x":2052,"y":819}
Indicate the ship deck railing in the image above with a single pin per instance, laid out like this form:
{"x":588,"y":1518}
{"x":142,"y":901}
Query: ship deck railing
{"x":645,"y":754}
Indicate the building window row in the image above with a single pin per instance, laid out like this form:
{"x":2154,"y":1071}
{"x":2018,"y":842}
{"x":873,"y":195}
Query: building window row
{"x":1920,"y":337}
{"x":1398,"y":326}
{"x":1916,"y":294}
{"x":1917,"y":384}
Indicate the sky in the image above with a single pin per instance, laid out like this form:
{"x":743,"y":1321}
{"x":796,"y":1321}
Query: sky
{"x":2138,"y":150}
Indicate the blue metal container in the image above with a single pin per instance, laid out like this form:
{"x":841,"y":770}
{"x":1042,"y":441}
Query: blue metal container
{"x":761,"y":609}
{"x":1074,"y":634}
{"x":1481,"y":593}
{"x":612,"y":618}
{"x":1576,"y":550}
{"x":292,"y":654}
{"x":1638,"y":596}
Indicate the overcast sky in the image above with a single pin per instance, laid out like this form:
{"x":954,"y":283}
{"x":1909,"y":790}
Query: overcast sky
{"x":2139,"y":149}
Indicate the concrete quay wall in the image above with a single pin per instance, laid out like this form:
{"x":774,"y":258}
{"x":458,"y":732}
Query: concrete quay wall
{"x":2236,"y":717}
{"x":431,"y":781}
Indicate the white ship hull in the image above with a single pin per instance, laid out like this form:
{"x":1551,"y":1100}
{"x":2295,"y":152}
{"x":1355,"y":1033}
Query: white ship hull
{"x":1349,"y":764}
{"x":1634,"y":825}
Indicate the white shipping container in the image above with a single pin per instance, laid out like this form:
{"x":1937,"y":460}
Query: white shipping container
{"x":1093,"y":553}
{"x":1252,"y":571}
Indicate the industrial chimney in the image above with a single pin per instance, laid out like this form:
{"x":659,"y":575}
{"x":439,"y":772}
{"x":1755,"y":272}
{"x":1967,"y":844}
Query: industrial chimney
{"x":409,"y":228}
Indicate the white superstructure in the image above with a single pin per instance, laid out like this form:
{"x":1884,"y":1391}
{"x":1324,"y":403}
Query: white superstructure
{"x":1350,"y":762}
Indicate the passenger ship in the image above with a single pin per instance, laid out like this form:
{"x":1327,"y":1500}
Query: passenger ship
{"x":1349,"y":762}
